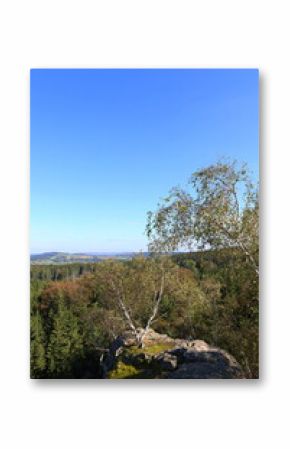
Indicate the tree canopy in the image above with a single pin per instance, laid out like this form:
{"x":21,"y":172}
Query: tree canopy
{"x":220,"y":210}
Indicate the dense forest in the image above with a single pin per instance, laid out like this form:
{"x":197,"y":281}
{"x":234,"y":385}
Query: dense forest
{"x":78,"y":309}
{"x":71,"y":315}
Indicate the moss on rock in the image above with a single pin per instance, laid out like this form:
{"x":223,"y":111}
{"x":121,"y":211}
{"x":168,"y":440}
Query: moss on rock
{"x":135,"y":362}
{"x":165,"y":358}
{"x":124,"y":371}
{"x":150,"y":349}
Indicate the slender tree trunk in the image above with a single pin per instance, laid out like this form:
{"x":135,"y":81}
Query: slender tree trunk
{"x":157,"y":298}
{"x":250,"y":257}
{"x":124,"y":310}
{"x":237,"y":241}
{"x":139,"y":335}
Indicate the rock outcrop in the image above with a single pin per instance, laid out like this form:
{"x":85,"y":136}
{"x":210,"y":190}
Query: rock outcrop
{"x":163,"y":357}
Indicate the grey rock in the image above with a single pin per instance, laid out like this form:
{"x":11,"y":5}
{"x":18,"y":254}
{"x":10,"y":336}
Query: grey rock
{"x":188,"y":359}
{"x":204,"y":370}
{"x":166,"y":361}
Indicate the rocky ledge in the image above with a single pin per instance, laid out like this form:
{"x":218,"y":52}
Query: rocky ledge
{"x":163,"y":357}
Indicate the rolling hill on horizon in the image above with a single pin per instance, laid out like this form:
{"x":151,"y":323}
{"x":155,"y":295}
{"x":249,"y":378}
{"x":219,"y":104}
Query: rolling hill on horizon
{"x":58,"y":257}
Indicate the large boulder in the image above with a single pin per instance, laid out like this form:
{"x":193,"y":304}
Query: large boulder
{"x":163,"y":357}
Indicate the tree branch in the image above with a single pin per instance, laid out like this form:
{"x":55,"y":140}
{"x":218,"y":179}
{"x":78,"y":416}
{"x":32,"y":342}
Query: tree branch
{"x":123,"y":308}
{"x":157,"y":300}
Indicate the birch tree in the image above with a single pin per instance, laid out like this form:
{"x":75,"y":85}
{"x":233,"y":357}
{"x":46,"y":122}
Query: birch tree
{"x":220,"y":210}
{"x":136,"y":289}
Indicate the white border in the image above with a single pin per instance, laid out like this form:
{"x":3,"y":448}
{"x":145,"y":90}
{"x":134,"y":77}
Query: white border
{"x":143,"y":34}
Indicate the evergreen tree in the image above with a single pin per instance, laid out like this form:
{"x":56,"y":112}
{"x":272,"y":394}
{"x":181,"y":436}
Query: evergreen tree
{"x":37,"y":348}
{"x":65,"y":343}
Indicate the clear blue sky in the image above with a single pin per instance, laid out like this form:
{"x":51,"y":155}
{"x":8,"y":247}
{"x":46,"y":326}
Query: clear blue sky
{"x":106,"y":145}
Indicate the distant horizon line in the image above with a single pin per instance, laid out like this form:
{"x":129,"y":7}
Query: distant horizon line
{"x":87,"y":252}
{"x":100,"y":253}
